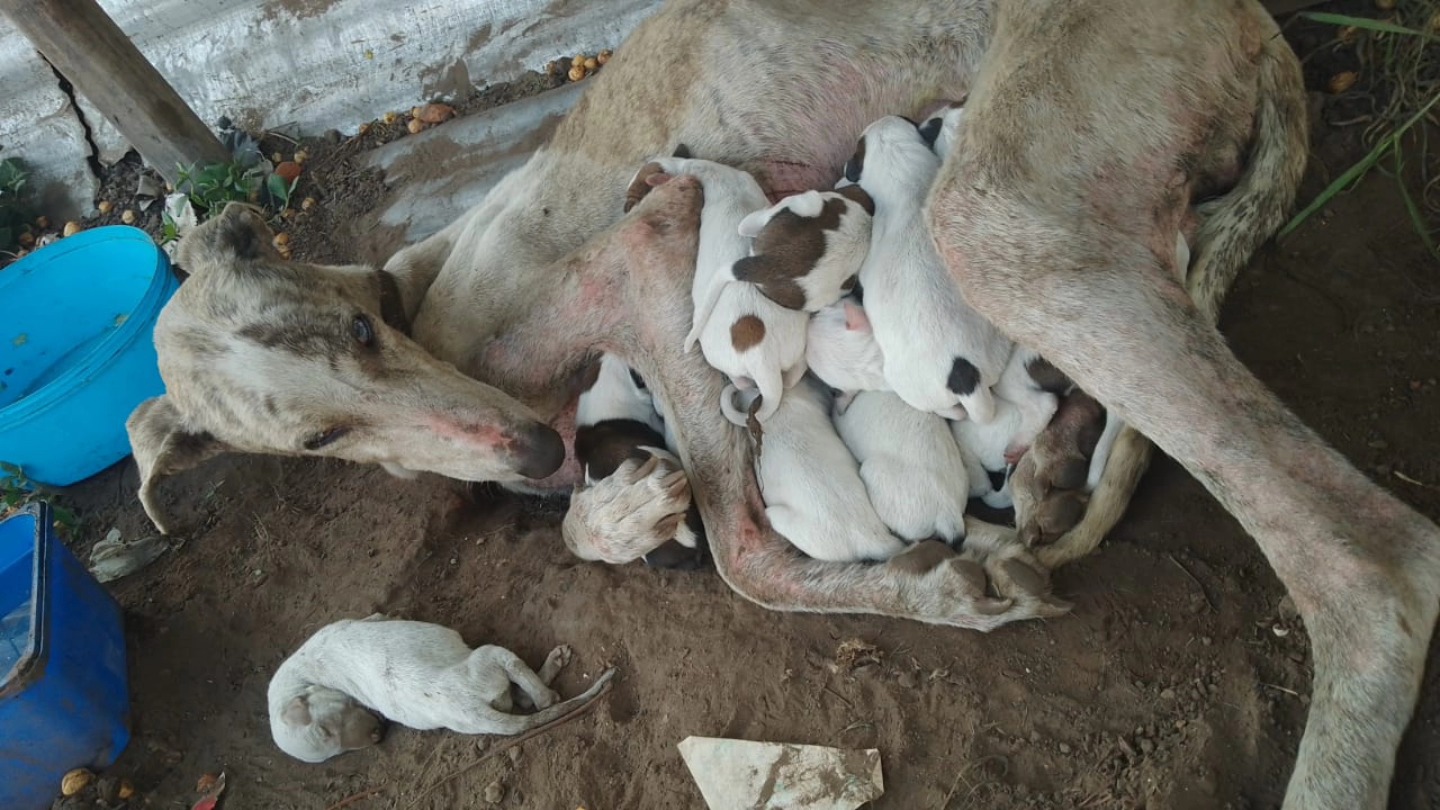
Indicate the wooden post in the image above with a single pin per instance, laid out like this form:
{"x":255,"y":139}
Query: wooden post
{"x":89,"y":49}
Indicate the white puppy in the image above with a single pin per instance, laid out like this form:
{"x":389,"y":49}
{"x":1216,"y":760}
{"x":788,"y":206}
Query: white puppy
{"x":753,"y":340}
{"x":1023,"y":407}
{"x":808,"y":247}
{"x":941,"y":356}
{"x":324,"y":699}
{"x":841,"y":350}
{"x":811,"y":484}
{"x":939,"y":130}
{"x":911,"y":466}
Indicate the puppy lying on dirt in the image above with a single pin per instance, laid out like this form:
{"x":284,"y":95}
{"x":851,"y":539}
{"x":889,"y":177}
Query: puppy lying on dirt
{"x":330,"y":696}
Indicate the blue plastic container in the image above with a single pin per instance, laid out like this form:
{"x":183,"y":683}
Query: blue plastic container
{"x":77,"y":350}
{"x":64,"y":700}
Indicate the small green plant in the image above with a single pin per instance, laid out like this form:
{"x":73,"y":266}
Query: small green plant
{"x":280,"y":191}
{"x":15,"y":212}
{"x":211,"y":187}
{"x":18,"y":491}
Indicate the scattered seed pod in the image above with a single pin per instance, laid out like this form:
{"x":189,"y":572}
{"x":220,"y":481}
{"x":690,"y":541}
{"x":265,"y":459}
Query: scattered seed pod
{"x":42,"y":222}
{"x":26,"y":240}
{"x":577,"y":73}
{"x":1385,"y":5}
{"x":364,"y":129}
{"x":288,"y":171}
{"x":414,"y":112}
{"x":416,"y":126}
{"x":105,"y":207}
{"x":604,"y":56}
{"x":578,"y":60}
{"x":553,"y":67}
{"x":1341,"y":82}
{"x":300,"y":156}
{"x":435,"y":113}
{"x":126,"y":790}
{"x":308,"y":203}
{"x":288,"y":213}
{"x":276,"y":157}
{"x":1347,"y":34}
{"x":592,"y":64}
{"x":75,"y":781}
{"x":128,"y":216}
{"x":71,"y":228}
{"x":390,"y":117}
{"x":281,"y":240}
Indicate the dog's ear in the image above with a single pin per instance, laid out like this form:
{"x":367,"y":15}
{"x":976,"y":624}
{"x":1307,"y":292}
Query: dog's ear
{"x":755,"y":221}
{"x":930,"y":130}
{"x":650,"y":175}
{"x":238,"y":232}
{"x":857,"y":194}
{"x":682,"y":151}
{"x":296,"y":713}
{"x":855,"y":166}
{"x":164,"y":445}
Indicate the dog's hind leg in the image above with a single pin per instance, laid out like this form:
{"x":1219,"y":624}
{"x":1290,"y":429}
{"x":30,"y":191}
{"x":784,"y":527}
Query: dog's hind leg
{"x":1026,"y":235}
{"x":535,"y":687}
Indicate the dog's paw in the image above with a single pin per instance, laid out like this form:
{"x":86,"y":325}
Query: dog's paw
{"x":982,"y":587}
{"x":635,"y":510}
{"x":558,"y":659}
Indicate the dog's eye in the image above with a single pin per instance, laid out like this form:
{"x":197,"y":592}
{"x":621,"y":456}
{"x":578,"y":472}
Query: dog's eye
{"x":363,"y":331}
{"x":324,"y":437}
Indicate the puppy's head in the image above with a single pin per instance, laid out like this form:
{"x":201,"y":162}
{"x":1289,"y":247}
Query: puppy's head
{"x":808,"y":247}
{"x":321,"y":723}
{"x":891,"y":147}
{"x":651,"y":175}
{"x":263,"y":355}
{"x":939,"y":130}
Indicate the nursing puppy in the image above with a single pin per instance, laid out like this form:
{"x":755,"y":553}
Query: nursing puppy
{"x":941,"y":356}
{"x":1025,"y":399}
{"x":330,"y":695}
{"x":753,"y":340}
{"x":939,"y":130}
{"x":841,"y":350}
{"x":912,"y":468}
{"x":619,"y":432}
{"x":808,"y":247}
{"x":811,"y":485}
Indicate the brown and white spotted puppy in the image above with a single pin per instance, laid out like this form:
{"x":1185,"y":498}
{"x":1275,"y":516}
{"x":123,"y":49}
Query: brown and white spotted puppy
{"x":808,"y":247}
{"x":619,"y":442}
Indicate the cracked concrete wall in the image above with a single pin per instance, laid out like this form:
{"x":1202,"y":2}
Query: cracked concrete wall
{"x":311,"y":64}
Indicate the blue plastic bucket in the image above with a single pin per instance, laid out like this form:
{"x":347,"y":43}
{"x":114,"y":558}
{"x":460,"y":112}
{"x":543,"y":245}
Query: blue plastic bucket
{"x":64,"y":700}
{"x":77,"y":350}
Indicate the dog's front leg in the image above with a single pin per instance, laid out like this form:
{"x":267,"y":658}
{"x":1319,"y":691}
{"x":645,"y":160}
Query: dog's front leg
{"x":928,"y":583}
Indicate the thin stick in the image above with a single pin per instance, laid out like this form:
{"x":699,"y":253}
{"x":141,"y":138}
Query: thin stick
{"x":1197,"y":582}
{"x":1281,"y":688}
{"x":357,"y":797}
{"x":1407,"y":479}
{"x":514,"y":741}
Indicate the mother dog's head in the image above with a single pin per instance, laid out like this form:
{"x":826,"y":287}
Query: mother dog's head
{"x":263,"y":355}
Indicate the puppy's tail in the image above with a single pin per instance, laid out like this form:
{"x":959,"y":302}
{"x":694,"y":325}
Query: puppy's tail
{"x":512,"y":724}
{"x":738,"y":415}
{"x":1234,"y":226}
{"x":771,"y":383}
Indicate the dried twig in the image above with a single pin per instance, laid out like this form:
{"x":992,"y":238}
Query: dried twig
{"x":365,"y":794}
{"x":1197,"y":582}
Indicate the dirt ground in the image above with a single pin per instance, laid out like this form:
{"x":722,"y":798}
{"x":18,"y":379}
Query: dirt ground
{"x":1179,"y":680}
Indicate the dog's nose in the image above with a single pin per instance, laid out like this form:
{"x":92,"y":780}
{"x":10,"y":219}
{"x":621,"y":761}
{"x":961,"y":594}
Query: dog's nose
{"x":540,"y":450}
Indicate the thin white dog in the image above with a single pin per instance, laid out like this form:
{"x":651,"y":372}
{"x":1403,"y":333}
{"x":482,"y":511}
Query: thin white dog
{"x":325,"y":698}
{"x":811,"y":484}
{"x":941,"y":356}
{"x":912,"y":468}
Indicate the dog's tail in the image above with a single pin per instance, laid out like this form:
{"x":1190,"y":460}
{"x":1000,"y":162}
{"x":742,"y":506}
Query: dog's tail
{"x":1232,"y":229}
{"x":1234,"y":226}
{"x":512,"y":724}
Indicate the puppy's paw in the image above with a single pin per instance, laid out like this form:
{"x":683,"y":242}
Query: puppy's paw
{"x":635,"y":510}
{"x":558,"y":659}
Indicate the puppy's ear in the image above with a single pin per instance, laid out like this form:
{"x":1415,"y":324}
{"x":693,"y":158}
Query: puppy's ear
{"x":682,"y":151}
{"x":650,"y":175}
{"x":296,"y":713}
{"x":930,"y":131}
{"x":855,"y":166}
{"x":858,"y":195}
{"x":239,"y":232}
{"x":163,"y":445}
{"x":755,"y":222}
